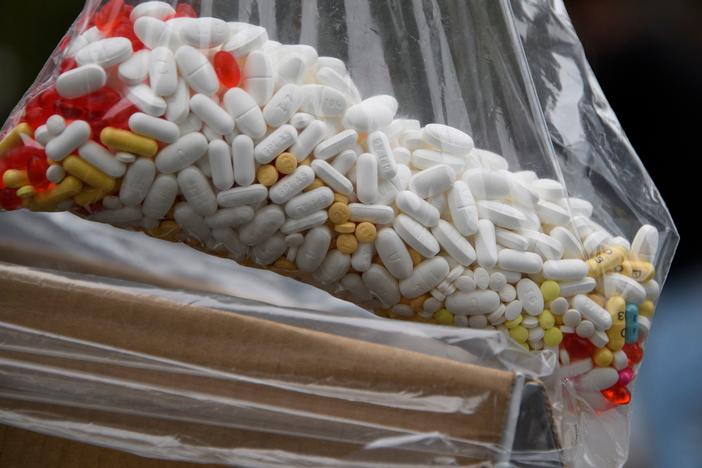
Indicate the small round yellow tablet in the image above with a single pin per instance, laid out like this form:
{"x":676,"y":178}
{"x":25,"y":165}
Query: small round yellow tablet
{"x":546,"y":320}
{"x":347,"y":244}
{"x":345,"y":228}
{"x":286,"y":163}
{"x":339,"y":198}
{"x":519,"y":333}
{"x":26,"y":191}
{"x":317,"y":183}
{"x":339,"y":213}
{"x":603,"y":357}
{"x":550,"y":290}
{"x":514,"y":323}
{"x":366,"y":232}
{"x":267,"y":175}
{"x":444,"y":317}
{"x":553,"y":337}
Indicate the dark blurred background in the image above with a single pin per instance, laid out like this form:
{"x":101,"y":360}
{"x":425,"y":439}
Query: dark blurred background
{"x":647,"y":55}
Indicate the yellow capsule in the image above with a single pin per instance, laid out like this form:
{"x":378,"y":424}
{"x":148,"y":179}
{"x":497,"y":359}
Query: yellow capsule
{"x":514,"y":323}
{"x":316,"y":183}
{"x":616,"y":306}
{"x":26,"y":192}
{"x":546,"y":320}
{"x":638,"y":270}
{"x":123,"y":140}
{"x":339,"y":198}
{"x":552,"y":337}
{"x":599,"y":300}
{"x":345,"y":228}
{"x":550,"y":290}
{"x":416,"y":257}
{"x":366,"y":232}
{"x":13,"y":139}
{"x":444,"y":317}
{"x":284,"y":264}
{"x":88,"y":174}
{"x":267,"y":175}
{"x":347,"y":244}
{"x":519,"y":334}
{"x":15,"y":178}
{"x":68,"y":188}
{"x":286,"y":163}
{"x":339,"y":213}
{"x":603,"y":357}
{"x":606,"y":261}
{"x":89,"y":196}
{"x":647,"y":308}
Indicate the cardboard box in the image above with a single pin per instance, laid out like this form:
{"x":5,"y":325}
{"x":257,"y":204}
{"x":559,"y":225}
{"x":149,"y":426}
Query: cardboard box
{"x":217,"y":383}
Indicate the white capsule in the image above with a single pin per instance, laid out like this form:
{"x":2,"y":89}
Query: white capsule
{"x":333,"y":178}
{"x":126,"y":215}
{"x":154,"y":9}
{"x":246,"y":40}
{"x":91,"y":35}
{"x":376,"y":214}
{"x":243,"y":160}
{"x":105,"y":52}
{"x":258,"y":71}
{"x":599,"y":378}
{"x":367,"y":178}
{"x":453,"y":243}
{"x":291,"y":185}
{"x":424,"y":159}
{"x":153,"y":127}
{"x":645,"y":244}
{"x":205,"y":33}
{"x":382,"y":285}
{"x":333,"y":268}
{"x":309,"y":202}
{"x":160,"y":197}
{"x":81,"y":81}
{"x":187,"y":218}
{"x":522,"y":262}
{"x":163,"y":76}
{"x":511,"y":240}
{"x":75,"y":135}
{"x":269,"y":250}
{"x":362,"y":258}
{"x":583,"y":286}
{"x":572,"y":248}
{"x":448,"y":139}
{"x":530,"y":296}
{"x":330,"y":147}
{"x":630,"y":289}
{"x":549,"y":189}
{"x":591,"y":311}
{"x":478,"y":302}
{"x":486,"y":244}
{"x":197,"y":70}
{"x":244,"y":110}
{"x":42,"y":135}
{"x":313,"y":251}
{"x":542,"y":244}
{"x":652,"y":289}
{"x":575,"y":368}
{"x":433,"y":181}
{"x":230,"y":240}
{"x":324,"y":101}
{"x":354,"y":285}
{"x":425,"y":277}
{"x":283,"y":105}
{"x":488,"y":185}
{"x":464,"y":212}
{"x":146,"y":100}
{"x":552,"y":213}
{"x":275,"y":143}
{"x":241,"y":196}
{"x":416,"y":236}
{"x":220,"y":159}
{"x":197,"y":191}
{"x":417,"y":208}
{"x":501,"y":214}
{"x":315,"y":219}
{"x":379,"y":145}
{"x":137,"y":182}
{"x":367,"y":117}
{"x":102,"y":159}
{"x":394,"y":254}
{"x":181,"y":154}
{"x":178,"y":104}
{"x":211,"y":114}
{"x":266,"y":222}
{"x":308,"y":139}
{"x":565,"y":270}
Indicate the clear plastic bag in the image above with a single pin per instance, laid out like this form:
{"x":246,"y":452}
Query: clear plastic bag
{"x":456,"y":63}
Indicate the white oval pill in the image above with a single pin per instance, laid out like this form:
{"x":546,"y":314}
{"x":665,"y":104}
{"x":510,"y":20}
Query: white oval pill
{"x":259,"y":82}
{"x":81,"y":81}
{"x":448,"y":139}
{"x":197,"y":70}
{"x":367,"y":178}
{"x":153,"y":127}
{"x":453,"y":243}
{"x":583,"y":286}
{"x":240,"y":196}
{"x":205,"y":33}
{"x":186,"y":217}
{"x":211,"y":114}
{"x":522,"y":262}
{"x":291,"y":185}
{"x":161,"y":196}
{"x":513,"y":310}
{"x":75,"y":135}
{"x":197,"y":191}
{"x":345,"y":161}
{"x":324,"y":101}
{"x":382,"y":285}
{"x":599,"y":378}
{"x":565,"y":270}
{"x":283,"y":105}
{"x":552,"y":213}
{"x":275,"y":143}
{"x":416,"y":236}
{"x":463,"y":209}
{"x":163,"y":76}
{"x":308,"y":139}
{"x":645,"y":244}
{"x":333,"y":268}
{"x":354,"y":285}
{"x":243,"y":160}
{"x":144,"y":98}
{"x":424,"y":159}
{"x":394,"y":254}
{"x":230,"y":240}
{"x":486,"y":244}
{"x":244,"y":110}
{"x":333,"y":178}
{"x":501,"y":214}
{"x":379,"y":145}
{"x":362,"y":258}
{"x":178,"y":104}
{"x":315,"y":219}
{"x":105,"y":52}
{"x":266,"y":222}
{"x":417,"y":208}
{"x":572,"y":248}
{"x":220,"y":159}
{"x":230,"y":217}
{"x":312,"y":252}
{"x":181,"y":154}
{"x":478,"y":302}
{"x":246,"y":40}
{"x":55,"y":173}
{"x":630,"y":289}
{"x":269,"y":251}
{"x":376,"y":214}
{"x":433,"y":181}
{"x":511,"y":240}
{"x":590,"y":310}
{"x":342,"y":141}
{"x":154,"y":9}
{"x":367,"y":117}
{"x":425,"y":277}
{"x":530,"y":296}
{"x":549,"y":189}
{"x":126,"y":215}
{"x":291,"y":70}
{"x":137,"y":182}
{"x":309,"y":202}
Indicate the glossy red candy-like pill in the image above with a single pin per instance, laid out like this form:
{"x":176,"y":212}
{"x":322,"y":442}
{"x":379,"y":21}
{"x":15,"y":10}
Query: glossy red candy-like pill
{"x":18,"y":158}
{"x":185,"y":10}
{"x":68,"y":64}
{"x":36,"y":172}
{"x":634,"y":352}
{"x":617,"y":394}
{"x":41,"y":107}
{"x":227,"y":69}
{"x":9,"y":199}
{"x":577,"y":347}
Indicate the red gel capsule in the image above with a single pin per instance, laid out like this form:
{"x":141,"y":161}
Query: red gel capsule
{"x":227,"y":69}
{"x":617,"y":394}
{"x":185,"y":10}
{"x":36,"y":172}
{"x":9,"y":200}
{"x":577,"y":347}
{"x":634,"y":352}
{"x":18,"y":158}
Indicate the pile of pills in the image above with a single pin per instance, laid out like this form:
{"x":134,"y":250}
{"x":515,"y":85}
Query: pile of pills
{"x":207,"y":132}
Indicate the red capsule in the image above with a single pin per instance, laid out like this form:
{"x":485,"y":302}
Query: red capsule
{"x":18,"y":158}
{"x":41,"y":107}
{"x":36,"y":172}
{"x":577,"y":347}
{"x":227,"y":69}
{"x":634,"y":352}
{"x":185,"y":10}
{"x":617,"y":394}
{"x":109,"y":16}
{"x":90,"y":107}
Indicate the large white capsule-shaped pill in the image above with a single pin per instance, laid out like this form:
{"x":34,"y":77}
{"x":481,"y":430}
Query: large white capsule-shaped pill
{"x":598,"y":379}
{"x":137,"y":182}
{"x":220,"y":158}
{"x":542,"y":244}
{"x":154,"y":9}
{"x":342,"y":141}
{"x":270,"y":250}
{"x":324,"y":101}
{"x":552,"y":213}
{"x":591,"y":311}
{"x":549,"y":189}
{"x":259,"y":82}
{"x":211,"y":114}
{"x":333,"y":268}
{"x":424,"y":159}
{"x":367,"y":179}
{"x":393,"y":253}
{"x":630,"y":289}
{"x":125,"y":215}
{"x":530,"y":296}
{"x":382,"y":285}
{"x":74,"y":136}
{"x":244,"y":163}
{"x":376,"y":214}
{"x":90,"y":35}
{"x":486,"y":244}
{"x":572,"y":247}
{"x":266,"y":222}
{"x":565,"y":270}
{"x":308,"y":139}
{"x":291,"y":185}
{"x":181,"y":154}
{"x":501,"y":214}
{"x":330,"y":77}
{"x":583,"y":286}
{"x":425,"y":277}
{"x":105,"y":52}
{"x":230,"y":241}
{"x":153,"y":32}
{"x":379,"y":145}
{"x":417,"y":208}
{"x":368,"y":116}
{"x":353,"y":283}
{"x":301,"y":120}
{"x":488,"y":185}
{"x":275,"y":143}
{"x":312,"y":252}
{"x":102,"y":159}
{"x":309,"y":202}
{"x":248,"y":116}
{"x":345,"y":161}
{"x":333,"y":178}
{"x":645,"y":244}
{"x":230,"y":217}
{"x":463,"y":209}
{"x":205,"y":33}
{"x":163,"y":76}
{"x":448,"y":139}
{"x":153,"y":127}
{"x":511,"y":240}
{"x":197,"y":191}
{"x":416,"y":236}
{"x":246,"y":40}
{"x":522,"y":262}
{"x":197,"y":70}
{"x":81,"y":81}
{"x":454,"y":243}
{"x":291,"y":70}
{"x":178,"y":104}
{"x":315,"y":219}
{"x":161,"y":196}
{"x":433,"y":181}
{"x":187,"y":218}
{"x":241,"y":196}
{"x":283,"y":105}
{"x":362,"y":258}
{"x":653,"y":290}
{"x":478,"y":302}
{"x":144,"y":98}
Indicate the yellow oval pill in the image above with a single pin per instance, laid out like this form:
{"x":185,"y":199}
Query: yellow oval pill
{"x":444,"y":317}
{"x":345,"y":228}
{"x":366,"y":232}
{"x":546,"y":320}
{"x":339,"y":213}
{"x":13,"y":138}
{"x":26,"y":192}
{"x":267,"y":175}
{"x":550,"y":290}
{"x":347,"y":243}
{"x":89,"y":174}
{"x":519,"y":334}
{"x":646,"y":308}
{"x":603,"y":357}
{"x":123,"y":140}
{"x":286,"y":163}
{"x":553,"y":337}
{"x":15,"y":178}
{"x":514,"y":323}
